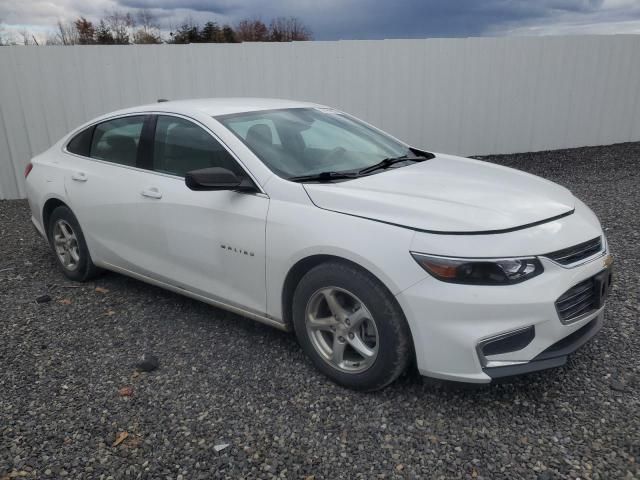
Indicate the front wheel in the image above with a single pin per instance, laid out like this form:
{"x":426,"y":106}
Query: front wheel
{"x":351,"y":326}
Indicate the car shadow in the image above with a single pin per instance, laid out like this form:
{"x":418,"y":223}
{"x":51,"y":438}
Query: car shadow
{"x":207,"y":316}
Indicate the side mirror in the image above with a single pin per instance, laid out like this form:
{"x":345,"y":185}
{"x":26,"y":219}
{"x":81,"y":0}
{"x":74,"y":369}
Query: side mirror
{"x":217,"y":178}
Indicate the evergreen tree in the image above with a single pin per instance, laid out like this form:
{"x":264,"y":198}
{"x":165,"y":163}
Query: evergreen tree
{"x":228,"y":35}
{"x":188,"y":32}
{"x":211,"y":33}
{"x":103,"y":34}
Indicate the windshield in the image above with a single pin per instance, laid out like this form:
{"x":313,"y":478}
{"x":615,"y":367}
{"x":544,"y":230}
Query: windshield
{"x":307,"y":141}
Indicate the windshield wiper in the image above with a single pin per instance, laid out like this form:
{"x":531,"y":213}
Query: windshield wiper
{"x":384,"y":164}
{"x":387,"y":162}
{"x":324,"y":177}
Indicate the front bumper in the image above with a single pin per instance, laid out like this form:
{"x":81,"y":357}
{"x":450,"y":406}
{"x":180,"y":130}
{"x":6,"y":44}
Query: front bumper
{"x":449,"y":322}
{"x":554,"y":356}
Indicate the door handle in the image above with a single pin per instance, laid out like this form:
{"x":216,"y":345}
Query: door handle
{"x":79,"y":176}
{"x":151,"y":192}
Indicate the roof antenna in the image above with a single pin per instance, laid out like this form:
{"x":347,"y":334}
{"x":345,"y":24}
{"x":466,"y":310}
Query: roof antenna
{"x":160,"y":100}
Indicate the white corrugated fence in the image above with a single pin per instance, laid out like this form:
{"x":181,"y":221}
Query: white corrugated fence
{"x":468,"y":96}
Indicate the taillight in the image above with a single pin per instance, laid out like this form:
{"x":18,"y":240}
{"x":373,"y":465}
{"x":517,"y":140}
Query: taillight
{"x":27,"y":169}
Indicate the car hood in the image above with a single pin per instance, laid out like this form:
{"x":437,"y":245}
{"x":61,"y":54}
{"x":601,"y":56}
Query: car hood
{"x":447,"y":194}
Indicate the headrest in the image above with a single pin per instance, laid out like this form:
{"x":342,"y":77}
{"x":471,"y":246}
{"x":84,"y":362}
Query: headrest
{"x":259,"y":133}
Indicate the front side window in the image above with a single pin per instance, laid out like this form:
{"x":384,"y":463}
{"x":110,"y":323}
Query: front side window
{"x":181,"y":146}
{"x":117,"y":140}
{"x":306,"y":141}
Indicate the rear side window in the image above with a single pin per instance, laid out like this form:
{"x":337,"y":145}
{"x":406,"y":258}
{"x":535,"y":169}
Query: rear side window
{"x":117,"y":140}
{"x":81,"y":143}
{"x":181,"y":146}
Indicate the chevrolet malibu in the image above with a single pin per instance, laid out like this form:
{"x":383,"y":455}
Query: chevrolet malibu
{"x":375,"y":253}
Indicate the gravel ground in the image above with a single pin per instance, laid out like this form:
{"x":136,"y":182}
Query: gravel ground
{"x":69,"y":388}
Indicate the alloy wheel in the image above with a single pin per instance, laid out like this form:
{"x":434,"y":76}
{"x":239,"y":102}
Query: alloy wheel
{"x":65,"y":244}
{"x":342,"y":330}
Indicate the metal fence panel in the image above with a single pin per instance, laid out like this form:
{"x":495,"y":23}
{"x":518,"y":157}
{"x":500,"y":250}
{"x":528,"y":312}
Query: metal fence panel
{"x":464,"y":96}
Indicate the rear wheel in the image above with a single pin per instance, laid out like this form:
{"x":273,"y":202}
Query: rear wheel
{"x":351,"y":326}
{"x":68,"y":244}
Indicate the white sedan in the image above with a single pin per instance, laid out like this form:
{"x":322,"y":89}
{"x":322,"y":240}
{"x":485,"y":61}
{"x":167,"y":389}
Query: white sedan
{"x":375,"y":253}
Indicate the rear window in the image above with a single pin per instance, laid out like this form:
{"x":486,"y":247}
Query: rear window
{"x":117,"y":140}
{"x":81,"y":143}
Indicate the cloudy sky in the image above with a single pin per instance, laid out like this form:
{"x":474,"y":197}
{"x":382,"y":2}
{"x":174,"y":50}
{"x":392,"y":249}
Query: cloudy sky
{"x":355,"y":19}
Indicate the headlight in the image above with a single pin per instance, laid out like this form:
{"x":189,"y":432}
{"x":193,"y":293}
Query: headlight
{"x":499,"y":271}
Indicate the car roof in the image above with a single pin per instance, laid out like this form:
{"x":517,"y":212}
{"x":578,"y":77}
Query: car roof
{"x":219,"y":106}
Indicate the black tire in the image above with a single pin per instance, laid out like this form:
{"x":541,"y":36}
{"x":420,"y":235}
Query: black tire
{"x":394,"y":345}
{"x":85,"y":269}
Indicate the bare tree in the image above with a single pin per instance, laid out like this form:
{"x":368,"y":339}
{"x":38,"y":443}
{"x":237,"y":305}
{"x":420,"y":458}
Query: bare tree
{"x":66,"y":34}
{"x":52,"y":39}
{"x":149,"y":31}
{"x":85,"y":30}
{"x":142,"y":37}
{"x":252,"y":31}
{"x":25,"y":37}
{"x":288,"y":29}
{"x":3,"y":36}
{"x":147,"y":20}
{"x":121,"y":26}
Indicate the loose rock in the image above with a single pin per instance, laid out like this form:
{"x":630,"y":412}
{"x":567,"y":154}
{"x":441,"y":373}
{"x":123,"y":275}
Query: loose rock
{"x":228,"y":379}
{"x":43,"y":298}
{"x":148,"y":363}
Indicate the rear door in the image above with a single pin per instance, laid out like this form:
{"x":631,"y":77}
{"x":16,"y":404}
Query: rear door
{"x":107,"y":193}
{"x":215,"y":240}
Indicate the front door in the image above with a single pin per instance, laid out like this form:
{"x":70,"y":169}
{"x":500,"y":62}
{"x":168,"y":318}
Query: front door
{"x":213,"y":242}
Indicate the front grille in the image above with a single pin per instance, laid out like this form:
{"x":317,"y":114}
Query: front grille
{"x":576,"y":301}
{"x":570,"y":255}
